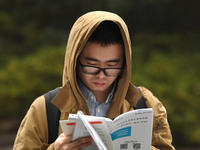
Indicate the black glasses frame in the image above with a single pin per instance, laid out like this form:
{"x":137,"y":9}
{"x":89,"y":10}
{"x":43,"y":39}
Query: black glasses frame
{"x":99,"y":70}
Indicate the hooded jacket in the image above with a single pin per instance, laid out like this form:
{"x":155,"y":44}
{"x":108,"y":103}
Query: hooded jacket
{"x":33,"y":131}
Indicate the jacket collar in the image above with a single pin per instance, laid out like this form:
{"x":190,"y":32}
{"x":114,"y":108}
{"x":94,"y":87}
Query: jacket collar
{"x":133,"y":95}
{"x":66,"y":101}
{"x":116,"y":108}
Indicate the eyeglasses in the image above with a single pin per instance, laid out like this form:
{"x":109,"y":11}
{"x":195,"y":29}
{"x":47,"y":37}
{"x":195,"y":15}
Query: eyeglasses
{"x":111,"y":72}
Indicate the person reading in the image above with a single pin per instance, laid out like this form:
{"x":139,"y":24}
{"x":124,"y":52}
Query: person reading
{"x":96,"y":81}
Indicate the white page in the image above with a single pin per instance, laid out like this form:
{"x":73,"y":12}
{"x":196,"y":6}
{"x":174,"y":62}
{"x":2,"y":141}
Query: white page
{"x":133,"y":130}
{"x":81,"y":131}
{"x":93,"y":133}
{"x":68,"y":126}
{"x":126,"y":132}
{"x":98,"y":123}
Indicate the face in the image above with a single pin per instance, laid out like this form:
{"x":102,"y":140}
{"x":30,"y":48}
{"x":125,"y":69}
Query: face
{"x":95,"y":55}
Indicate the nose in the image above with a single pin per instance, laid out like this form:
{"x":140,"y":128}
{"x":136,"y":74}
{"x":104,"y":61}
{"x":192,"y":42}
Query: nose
{"x":101,"y":74}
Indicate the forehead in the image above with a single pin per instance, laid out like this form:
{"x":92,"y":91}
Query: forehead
{"x":99,"y":52}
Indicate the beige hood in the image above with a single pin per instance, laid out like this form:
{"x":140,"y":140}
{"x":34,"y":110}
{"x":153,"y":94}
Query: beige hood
{"x":80,"y":33}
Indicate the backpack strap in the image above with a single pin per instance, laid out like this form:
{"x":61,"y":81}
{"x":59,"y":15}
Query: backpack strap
{"x":53,"y":115}
{"x":141,"y":102}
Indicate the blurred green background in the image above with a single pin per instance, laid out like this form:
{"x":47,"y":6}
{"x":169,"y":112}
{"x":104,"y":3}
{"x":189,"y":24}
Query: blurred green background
{"x":166,"y":54}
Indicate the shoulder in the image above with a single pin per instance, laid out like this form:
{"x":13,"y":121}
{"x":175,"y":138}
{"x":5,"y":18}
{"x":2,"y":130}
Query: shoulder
{"x":152,"y":101}
{"x":33,"y":127}
{"x":38,"y":104}
{"x":161,"y":131}
{"x":37,"y":111}
{"x":36,"y":118}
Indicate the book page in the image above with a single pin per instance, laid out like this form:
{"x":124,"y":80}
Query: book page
{"x":98,"y":123}
{"x":75,"y":116}
{"x":98,"y":130}
{"x":68,"y":126}
{"x":81,"y":131}
{"x":99,"y":143}
{"x":133,"y":130}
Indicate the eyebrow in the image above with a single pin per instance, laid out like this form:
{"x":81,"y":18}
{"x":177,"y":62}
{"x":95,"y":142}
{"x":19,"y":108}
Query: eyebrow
{"x":93,"y":59}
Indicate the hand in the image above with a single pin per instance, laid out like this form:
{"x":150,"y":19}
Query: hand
{"x":64,"y":142}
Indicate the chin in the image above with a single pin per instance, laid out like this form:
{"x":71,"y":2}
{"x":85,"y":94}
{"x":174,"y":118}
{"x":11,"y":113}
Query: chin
{"x":100,"y":89}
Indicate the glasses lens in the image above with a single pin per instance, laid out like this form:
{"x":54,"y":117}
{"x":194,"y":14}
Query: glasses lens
{"x":95,"y":70}
{"x":113,"y":71}
{"x":90,"y":70}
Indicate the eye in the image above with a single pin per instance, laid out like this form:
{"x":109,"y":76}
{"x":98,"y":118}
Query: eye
{"x":92,"y":63}
{"x":112,"y":64}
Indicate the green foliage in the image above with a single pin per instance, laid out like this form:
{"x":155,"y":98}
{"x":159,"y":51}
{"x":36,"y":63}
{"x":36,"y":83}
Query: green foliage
{"x":170,"y":69}
{"x":167,"y":64}
{"x":25,"y":25}
{"x":24,"y":79}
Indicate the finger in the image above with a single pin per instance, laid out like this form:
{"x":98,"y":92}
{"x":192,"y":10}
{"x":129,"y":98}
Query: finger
{"x":82,"y":143}
{"x":62,"y":141}
{"x":68,"y":138}
{"x":80,"y":147}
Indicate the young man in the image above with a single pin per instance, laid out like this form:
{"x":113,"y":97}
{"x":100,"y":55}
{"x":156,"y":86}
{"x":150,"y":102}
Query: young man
{"x":96,"y":80}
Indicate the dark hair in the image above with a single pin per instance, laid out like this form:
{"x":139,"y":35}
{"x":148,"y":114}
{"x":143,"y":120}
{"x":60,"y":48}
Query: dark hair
{"x":107,"y":33}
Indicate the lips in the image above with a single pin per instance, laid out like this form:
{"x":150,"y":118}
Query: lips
{"x":99,"y":84}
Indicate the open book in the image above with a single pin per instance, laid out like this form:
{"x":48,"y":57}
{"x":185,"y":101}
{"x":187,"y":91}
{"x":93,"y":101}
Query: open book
{"x":129,"y":131}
